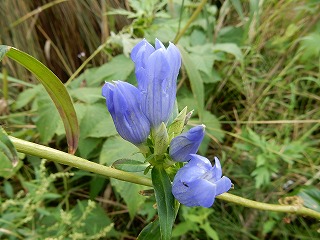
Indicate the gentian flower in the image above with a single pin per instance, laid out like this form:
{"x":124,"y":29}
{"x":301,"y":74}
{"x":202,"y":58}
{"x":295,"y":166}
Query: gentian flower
{"x":157,"y":70}
{"x":186,"y":143}
{"x":198,"y":183}
{"x":124,"y":104}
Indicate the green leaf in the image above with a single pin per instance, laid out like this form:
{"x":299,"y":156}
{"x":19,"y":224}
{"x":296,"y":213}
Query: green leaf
{"x":103,"y":125}
{"x":238,"y":6}
{"x":95,"y":124}
{"x":165,"y":201}
{"x":311,"y":197}
{"x":262,"y":176}
{"x":87,"y":95}
{"x":115,"y":148}
{"x":27,"y":96}
{"x":310,"y":46}
{"x":8,"y":149}
{"x":151,"y":231}
{"x":213,"y":126}
{"x":195,"y":80}
{"x":184,"y":227}
{"x":119,"y":68}
{"x":130,"y":194}
{"x":6,"y":168}
{"x":55,"y":89}
{"x":9,"y":161}
{"x":202,"y":57}
{"x":48,"y":120}
{"x":229,"y":48}
{"x":268,"y":226}
{"x":97,"y":184}
{"x":8,"y":189}
{"x":130,"y":165}
{"x":211,"y":233}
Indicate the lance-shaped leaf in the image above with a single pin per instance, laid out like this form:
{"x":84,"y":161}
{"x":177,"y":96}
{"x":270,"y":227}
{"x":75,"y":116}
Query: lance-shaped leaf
{"x":130,"y":165}
{"x":54,"y":87}
{"x":165,"y":201}
{"x":151,"y":231}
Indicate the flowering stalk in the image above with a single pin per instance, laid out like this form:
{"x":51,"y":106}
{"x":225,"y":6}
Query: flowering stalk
{"x":86,"y":165}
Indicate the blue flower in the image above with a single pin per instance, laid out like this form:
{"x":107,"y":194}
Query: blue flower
{"x":124,"y":104}
{"x":198,"y":183}
{"x":157,"y":70}
{"x":186,"y":143}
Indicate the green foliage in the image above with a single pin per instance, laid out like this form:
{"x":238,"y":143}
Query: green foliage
{"x":55,"y":89}
{"x":25,"y":209}
{"x":251,"y":74}
{"x":311,"y":197}
{"x":268,"y":154}
{"x":113,"y":150}
{"x":194,"y":220}
{"x":165,"y":201}
{"x":9,"y":161}
{"x":195,"y":80}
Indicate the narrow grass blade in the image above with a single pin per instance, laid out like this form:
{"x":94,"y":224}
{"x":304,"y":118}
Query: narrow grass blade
{"x":165,"y":201}
{"x":54,"y":87}
{"x":195,"y":80}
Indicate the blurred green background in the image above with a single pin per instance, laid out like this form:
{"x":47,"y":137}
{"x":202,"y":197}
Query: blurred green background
{"x":251,"y":73}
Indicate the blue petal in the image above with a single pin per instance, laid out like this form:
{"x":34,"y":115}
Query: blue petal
{"x":186,"y":143}
{"x":217,"y":169}
{"x":107,"y":92}
{"x":180,"y":192}
{"x":159,"y":44}
{"x":141,"y":52}
{"x":196,"y":193}
{"x":174,"y":58}
{"x":156,"y":71}
{"x":203,"y":191}
{"x":200,"y":162}
{"x":223,"y":185}
{"x":123,"y":102}
{"x":157,"y":104}
{"x":189,"y":173}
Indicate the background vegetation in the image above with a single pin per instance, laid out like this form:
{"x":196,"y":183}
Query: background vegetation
{"x":251,"y":73}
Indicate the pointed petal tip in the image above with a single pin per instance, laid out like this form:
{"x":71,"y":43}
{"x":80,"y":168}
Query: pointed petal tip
{"x":217,"y":162}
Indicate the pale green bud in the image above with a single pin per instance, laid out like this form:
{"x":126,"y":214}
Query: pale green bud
{"x":178,"y":123}
{"x":161,"y":140}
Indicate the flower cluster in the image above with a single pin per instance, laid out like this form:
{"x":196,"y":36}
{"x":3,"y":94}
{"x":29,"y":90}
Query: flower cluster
{"x":144,"y":111}
{"x":137,"y":110}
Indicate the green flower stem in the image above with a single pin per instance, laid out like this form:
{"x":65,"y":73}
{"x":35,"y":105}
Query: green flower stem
{"x":295,"y":209}
{"x":77,"y":162}
{"x":83,"y":164}
{"x":191,"y":19}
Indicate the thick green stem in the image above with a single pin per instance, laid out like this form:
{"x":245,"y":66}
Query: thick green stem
{"x":295,"y":209}
{"x":77,"y":162}
{"x":83,"y":164}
